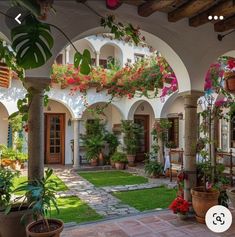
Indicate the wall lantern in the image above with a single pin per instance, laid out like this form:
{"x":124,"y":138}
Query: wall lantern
{"x":69,"y":122}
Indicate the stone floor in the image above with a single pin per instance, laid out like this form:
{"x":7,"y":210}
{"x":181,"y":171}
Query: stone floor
{"x":154,"y":224}
{"x":100,"y":199}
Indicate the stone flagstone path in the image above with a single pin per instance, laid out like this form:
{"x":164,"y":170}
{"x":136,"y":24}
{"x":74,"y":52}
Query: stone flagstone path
{"x":98,"y":198}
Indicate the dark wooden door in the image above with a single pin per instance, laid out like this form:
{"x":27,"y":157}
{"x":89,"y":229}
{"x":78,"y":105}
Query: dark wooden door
{"x":143,"y":121}
{"x":54,"y":138}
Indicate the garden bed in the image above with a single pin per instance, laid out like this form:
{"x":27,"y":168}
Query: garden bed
{"x":112,"y":178}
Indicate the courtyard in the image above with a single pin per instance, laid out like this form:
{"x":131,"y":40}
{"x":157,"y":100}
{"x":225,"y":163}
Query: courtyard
{"x":117,"y":118}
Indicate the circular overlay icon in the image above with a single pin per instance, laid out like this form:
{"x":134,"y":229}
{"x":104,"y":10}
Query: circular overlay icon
{"x":218,"y":219}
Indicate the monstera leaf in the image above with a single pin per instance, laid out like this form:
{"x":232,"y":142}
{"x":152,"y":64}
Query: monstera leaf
{"x":83,"y":61}
{"x":32,"y":42}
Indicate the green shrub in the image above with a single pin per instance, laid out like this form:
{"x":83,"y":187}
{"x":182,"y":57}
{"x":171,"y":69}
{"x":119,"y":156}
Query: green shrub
{"x":119,"y":157}
{"x":153,"y":168}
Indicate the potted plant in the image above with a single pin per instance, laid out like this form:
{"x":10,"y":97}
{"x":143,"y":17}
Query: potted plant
{"x":93,"y":147}
{"x":11,"y":212}
{"x":153,"y":168}
{"x":41,"y":197}
{"x":132,"y":133}
{"x":180,"y":207}
{"x":120,"y":160}
{"x":231,"y":194}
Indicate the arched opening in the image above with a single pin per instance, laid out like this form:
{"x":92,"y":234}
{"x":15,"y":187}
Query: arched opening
{"x":142,"y":113}
{"x":58,"y":133}
{"x":110,"y":53}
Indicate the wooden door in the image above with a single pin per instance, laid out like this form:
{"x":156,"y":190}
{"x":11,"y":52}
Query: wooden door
{"x":143,"y":121}
{"x":54,"y":138}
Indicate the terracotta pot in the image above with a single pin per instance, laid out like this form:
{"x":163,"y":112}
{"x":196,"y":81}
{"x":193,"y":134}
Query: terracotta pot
{"x":131,"y":160}
{"x":101,"y":159}
{"x":202,"y":201}
{"x":54,"y":233}
{"x":229,"y":82}
{"x":11,"y":226}
{"x":94,"y":162}
{"x":231,"y":194}
{"x":119,"y":165}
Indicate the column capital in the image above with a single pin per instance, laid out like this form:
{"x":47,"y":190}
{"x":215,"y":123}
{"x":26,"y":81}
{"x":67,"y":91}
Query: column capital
{"x":191,"y":94}
{"x":97,"y":52}
{"x":37,"y":84}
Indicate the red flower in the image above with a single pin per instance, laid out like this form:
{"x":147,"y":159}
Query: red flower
{"x":231,"y":64}
{"x":179,"y":205}
{"x":70,"y":81}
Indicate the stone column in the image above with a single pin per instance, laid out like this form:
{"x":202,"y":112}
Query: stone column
{"x":67,"y":50}
{"x":97,"y":58}
{"x":76,"y":154}
{"x":36,"y":147}
{"x":190,"y":141}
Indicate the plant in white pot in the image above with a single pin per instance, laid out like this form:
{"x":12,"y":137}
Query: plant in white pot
{"x":41,"y":197}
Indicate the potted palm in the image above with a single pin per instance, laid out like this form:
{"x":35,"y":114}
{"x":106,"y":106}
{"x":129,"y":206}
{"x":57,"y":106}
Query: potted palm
{"x":132,"y":133}
{"x":120,"y":160}
{"x":93,"y":148}
{"x":41,"y":197}
{"x":11,"y":212}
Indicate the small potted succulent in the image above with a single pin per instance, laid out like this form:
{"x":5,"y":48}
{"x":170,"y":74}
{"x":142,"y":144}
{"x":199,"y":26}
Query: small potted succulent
{"x":180,"y":207}
{"x":120,"y":160}
{"x":153,"y":168}
{"x":41,"y":197}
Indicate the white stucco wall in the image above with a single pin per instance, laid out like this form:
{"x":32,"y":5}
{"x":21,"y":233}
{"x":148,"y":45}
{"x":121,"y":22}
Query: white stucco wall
{"x":3,"y":124}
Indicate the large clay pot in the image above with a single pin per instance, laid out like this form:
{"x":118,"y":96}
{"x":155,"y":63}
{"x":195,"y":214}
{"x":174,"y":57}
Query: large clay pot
{"x":231,"y":195}
{"x":119,"y":165}
{"x":229,"y":82}
{"x":101,"y":159}
{"x":10,"y":224}
{"x":57,"y":224}
{"x":202,"y":201}
{"x":131,"y":160}
{"x":94,"y":162}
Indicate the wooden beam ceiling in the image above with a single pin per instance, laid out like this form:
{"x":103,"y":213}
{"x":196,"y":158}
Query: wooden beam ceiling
{"x":225,"y":8}
{"x":225,"y":25}
{"x":148,"y":8}
{"x":188,"y":9}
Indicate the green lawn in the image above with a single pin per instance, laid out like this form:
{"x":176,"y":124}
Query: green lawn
{"x":112,"y":178}
{"x":60,"y":184}
{"x":147,"y":199}
{"x":72,"y":209}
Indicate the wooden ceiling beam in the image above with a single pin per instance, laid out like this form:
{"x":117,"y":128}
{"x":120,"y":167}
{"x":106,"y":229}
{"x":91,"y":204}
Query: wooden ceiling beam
{"x":225,"y":8}
{"x":152,"y":6}
{"x":188,"y":9}
{"x":225,"y":25}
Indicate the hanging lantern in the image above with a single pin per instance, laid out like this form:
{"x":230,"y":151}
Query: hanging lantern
{"x":229,"y":82}
{"x":5,"y":75}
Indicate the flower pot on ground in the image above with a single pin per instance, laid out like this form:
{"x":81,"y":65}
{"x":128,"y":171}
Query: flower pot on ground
{"x":42,"y":197}
{"x":180,"y":207}
{"x":38,"y":229}
{"x":132,"y":132}
{"x":120,"y":160}
{"x":11,"y":224}
{"x":10,"y":212}
{"x":131,"y":160}
{"x":153,"y":168}
{"x":231,"y":195}
{"x":101,"y":159}
{"x":94,"y":162}
{"x":203,"y":200}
